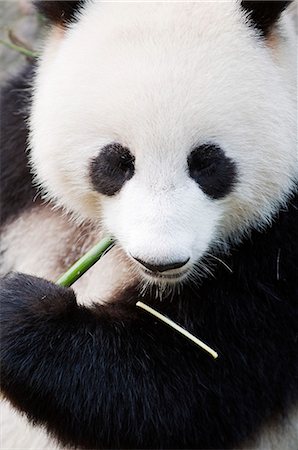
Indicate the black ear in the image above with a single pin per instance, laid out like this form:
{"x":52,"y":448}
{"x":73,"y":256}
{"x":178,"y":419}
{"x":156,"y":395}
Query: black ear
{"x":59,"y":12}
{"x":264,"y":14}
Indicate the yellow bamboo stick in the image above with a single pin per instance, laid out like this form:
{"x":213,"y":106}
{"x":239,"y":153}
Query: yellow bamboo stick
{"x":178,"y":328}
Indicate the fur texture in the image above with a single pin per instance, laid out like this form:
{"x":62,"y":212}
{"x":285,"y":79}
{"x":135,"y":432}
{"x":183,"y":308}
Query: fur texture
{"x":111,"y":168}
{"x":17,"y":192}
{"x":264,"y":14}
{"x":212,"y":170}
{"x":60,"y":12}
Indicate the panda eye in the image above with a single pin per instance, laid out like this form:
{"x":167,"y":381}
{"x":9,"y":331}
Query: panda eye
{"x":113,"y":166}
{"x":212,"y":170}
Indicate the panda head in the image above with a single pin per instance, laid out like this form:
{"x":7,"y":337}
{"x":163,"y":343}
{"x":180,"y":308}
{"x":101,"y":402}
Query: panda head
{"x":171,"y":124}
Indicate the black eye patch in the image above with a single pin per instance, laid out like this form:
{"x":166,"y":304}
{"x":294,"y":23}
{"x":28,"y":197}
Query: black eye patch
{"x":113,"y":166}
{"x":214,"y":172}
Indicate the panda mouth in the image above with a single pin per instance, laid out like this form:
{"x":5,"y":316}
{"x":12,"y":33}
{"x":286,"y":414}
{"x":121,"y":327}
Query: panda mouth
{"x":165,"y":276}
{"x":175,"y":274}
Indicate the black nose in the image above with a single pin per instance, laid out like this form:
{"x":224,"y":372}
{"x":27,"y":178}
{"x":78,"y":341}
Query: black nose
{"x":162,"y":267}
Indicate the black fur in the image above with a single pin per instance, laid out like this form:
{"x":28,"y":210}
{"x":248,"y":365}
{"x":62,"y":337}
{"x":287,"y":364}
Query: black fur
{"x":114,"y":377}
{"x":17,"y":192}
{"x":113,"y":166}
{"x":60,"y":12}
{"x":214,"y":172}
{"x":264,"y":14}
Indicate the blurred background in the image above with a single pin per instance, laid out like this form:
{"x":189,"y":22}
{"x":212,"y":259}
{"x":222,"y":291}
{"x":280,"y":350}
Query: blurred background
{"x":20,"y":26}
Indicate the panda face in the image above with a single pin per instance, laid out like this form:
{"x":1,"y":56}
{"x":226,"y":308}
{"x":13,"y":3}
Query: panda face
{"x":157,"y":196}
{"x":171,"y":124}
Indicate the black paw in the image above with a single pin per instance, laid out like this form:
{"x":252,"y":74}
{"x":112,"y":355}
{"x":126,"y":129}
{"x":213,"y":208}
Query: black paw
{"x":26,"y":294}
{"x":32,"y":313}
{"x":29,"y":302}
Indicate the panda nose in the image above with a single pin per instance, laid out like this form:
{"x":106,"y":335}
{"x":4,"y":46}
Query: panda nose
{"x":162,"y":267}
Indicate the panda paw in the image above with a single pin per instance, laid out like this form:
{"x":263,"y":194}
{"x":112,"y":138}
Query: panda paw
{"x":24,"y":298}
{"x":33,"y":312}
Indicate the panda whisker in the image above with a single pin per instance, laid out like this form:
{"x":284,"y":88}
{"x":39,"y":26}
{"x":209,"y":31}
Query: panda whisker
{"x":203,"y":269}
{"x":220,"y":260}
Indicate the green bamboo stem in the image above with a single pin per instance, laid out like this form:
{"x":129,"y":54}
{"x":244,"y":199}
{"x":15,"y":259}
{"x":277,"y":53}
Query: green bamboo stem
{"x":17,"y":48}
{"x":85,"y":262}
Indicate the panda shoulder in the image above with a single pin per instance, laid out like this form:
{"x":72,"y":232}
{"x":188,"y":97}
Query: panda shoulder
{"x":17,"y":192}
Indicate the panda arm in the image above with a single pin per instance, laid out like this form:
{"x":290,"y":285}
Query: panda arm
{"x":105,"y":377}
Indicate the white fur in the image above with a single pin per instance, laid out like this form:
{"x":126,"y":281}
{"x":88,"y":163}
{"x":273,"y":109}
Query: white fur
{"x":52,"y":243}
{"x":277,"y":435}
{"x":162,"y":78}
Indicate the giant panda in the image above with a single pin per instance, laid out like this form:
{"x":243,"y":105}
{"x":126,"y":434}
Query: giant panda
{"x":172,"y":127}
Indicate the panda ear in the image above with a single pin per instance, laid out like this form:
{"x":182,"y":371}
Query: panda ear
{"x":59,"y":12}
{"x":264,"y":14}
